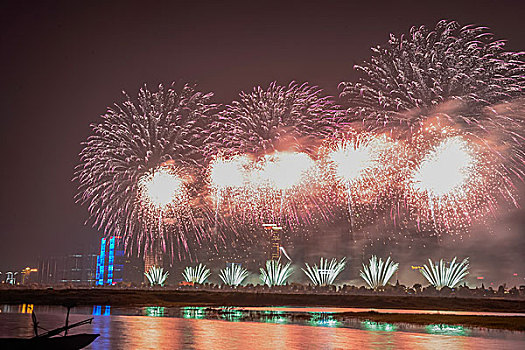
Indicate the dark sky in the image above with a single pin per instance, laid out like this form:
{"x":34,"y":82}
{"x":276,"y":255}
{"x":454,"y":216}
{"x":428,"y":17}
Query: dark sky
{"x":63,"y":63}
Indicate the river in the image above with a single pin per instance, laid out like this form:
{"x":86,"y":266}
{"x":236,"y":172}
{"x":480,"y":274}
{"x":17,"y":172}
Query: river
{"x":197,"y":328}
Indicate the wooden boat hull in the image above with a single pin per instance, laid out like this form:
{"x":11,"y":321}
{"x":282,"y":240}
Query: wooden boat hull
{"x":76,"y":341}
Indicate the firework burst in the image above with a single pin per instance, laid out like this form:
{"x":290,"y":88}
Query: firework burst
{"x":422,"y":70}
{"x":378,"y":272}
{"x":130,"y":174}
{"x":454,"y":179}
{"x":361,"y":168}
{"x":156,"y":276}
{"x":326,"y":273}
{"x":233,"y":275}
{"x":280,"y":118}
{"x":466,"y":79}
{"x":275,"y":274}
{"x":196,"y":274}
{"x":279,"y":129}
{"x":442,"y":276}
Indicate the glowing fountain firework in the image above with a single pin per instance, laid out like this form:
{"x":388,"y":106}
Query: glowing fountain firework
{"x":156,"y":276}
{"x":233,"y":275}
{"x":196,"y":274}
{"x":442,"y":276}
{"x":378,"y":272}
{"x":326,"y":273}
{"x":275,"y":273}
{"x":140,"y":167}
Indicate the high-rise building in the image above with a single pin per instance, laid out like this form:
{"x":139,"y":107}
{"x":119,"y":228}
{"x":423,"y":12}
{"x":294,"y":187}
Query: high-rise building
{"x":275,"y":240}
{"x":113,"y":266}
{"x":110,"y":262}
{"x":152,"y":257}
{"x":79,"y":269}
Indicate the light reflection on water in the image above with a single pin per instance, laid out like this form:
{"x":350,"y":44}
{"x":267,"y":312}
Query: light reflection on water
{"x":190,"y":328}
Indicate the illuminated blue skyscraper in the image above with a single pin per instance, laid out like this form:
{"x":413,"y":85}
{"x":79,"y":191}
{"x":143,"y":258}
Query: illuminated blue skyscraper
{"x":110,"y":262}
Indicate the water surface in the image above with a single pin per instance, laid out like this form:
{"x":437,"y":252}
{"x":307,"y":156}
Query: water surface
{"x":200,"y":328}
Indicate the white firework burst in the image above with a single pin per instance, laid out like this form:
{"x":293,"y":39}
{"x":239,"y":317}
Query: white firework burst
{"x":378,"y":272}
{"x":440,"y":275}
{"x":233,"y":275}
{"x":275,"y":273}
{"x":156,"y":276}
{"x":196,"y":274}
{"x":326,"y":273}
{"x":136,"y":147}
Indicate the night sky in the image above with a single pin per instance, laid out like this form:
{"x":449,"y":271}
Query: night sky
{"x":63,"y":63}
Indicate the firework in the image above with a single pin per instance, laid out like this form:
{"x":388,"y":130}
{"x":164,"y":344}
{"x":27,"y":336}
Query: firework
{"x":228,"y":179}
{"x":378,"y":272}
{"x":464,"y":77}
{"x":292,"y":118}
{"x":279,"y":129}
{"x":446,"y":169}
{"x":442,"y":276}
{"x":233,"y":275}
{"x":428,"y":67}
{"x":162,"y":189}
{"x":276,"y":187}
{"x":326,"y":273}
{"x":156,"y":276}
{"x":198,"y":274}
{"x":275,"y":274}
{"x":453,"y":180}
{"x":139,"y":165}
{"x":360,"y":167}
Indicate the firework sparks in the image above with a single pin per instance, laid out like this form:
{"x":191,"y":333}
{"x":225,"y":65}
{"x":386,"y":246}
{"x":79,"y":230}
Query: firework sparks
{"x":275,"y":274}
{"x":453,"y":179}
{"x":198,"y":274}
{"x":228,"y":173}
{"x":428,"y":67}
{"x":378,"y":272}
{"x":162,"y":188}
{"x":233,"y":275}
{"x":442,"y":276}
{"x":129,"y":174}
{"x":326,"y":273}
{"x":228,"y":178}
{"x":446,"y":170}
{"x":293,"y":117}
{"x":283,"y":188}
{"x":282,"y":171}
{"x":472,"y":82}
{"x":362,"y":166}
{"x":156,"y":276}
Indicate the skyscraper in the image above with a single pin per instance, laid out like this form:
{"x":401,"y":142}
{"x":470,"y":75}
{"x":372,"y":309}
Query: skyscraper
{"x":110,"y":262}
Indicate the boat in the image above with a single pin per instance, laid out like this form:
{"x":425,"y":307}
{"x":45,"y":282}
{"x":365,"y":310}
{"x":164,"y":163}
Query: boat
{"x":52,"y":339}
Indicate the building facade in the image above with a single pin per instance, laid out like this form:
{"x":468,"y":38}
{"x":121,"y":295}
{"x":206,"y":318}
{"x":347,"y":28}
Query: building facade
{"x":113,"y":266}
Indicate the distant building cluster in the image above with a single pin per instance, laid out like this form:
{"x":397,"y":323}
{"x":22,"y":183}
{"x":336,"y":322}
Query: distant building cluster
{"x":110,"y":266}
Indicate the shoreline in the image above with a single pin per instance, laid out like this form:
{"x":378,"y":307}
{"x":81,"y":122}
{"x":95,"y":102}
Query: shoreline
{"x":203,"y":298}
